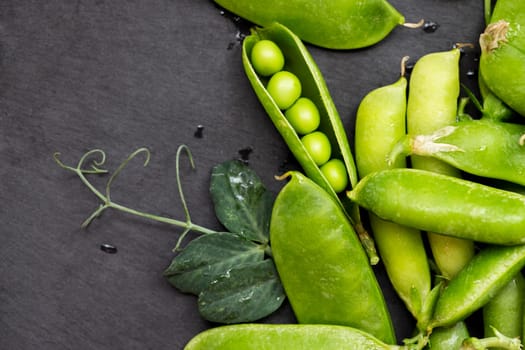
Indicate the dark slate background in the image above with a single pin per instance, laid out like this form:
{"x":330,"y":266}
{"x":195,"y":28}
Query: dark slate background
{"x":118,"y":75}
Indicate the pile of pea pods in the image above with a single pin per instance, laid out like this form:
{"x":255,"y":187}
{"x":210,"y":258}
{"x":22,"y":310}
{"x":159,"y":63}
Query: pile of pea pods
{"x":442,"y":187}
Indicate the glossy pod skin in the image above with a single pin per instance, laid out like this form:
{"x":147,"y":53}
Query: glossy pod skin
{"x":432,"y":104}
{"x":299,"y":61}
{"x":287,"y":336}
{"x":335,"y":24}
{"x":432,"y":100}
{"x":444,"y":204}
{"x":447,"y":338}
{"x":504,"y":312}
{"x":481,"y":147}
{"x":473,"y":287}
{"x":323,"y":267}
{"x":503,"y":53}
{"x":380,"y":122}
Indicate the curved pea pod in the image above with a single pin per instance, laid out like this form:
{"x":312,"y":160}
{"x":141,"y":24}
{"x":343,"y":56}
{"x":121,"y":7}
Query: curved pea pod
{"x":380,"y":122}
{"x":504,"y":311}
{"x":299,"y":61}
{"x":335,"y":24}
{"x":503,"y":53}
{"x":474,"y":286}
{"x":481,"y":147}
{"x":432,"y":100}
{"x":321,"y":263}
{"x":289,"y":337}
{"x":444,"y":204}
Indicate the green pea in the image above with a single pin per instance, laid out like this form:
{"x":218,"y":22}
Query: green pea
{"x":504,"y":311}
{"x":284,"y":88}
{"x":322,"y":265}
{"x":481,"y":147}
{"x":432,"y":103}
{"x":286,"y":336}
{"x":267,"y":58}
{"x":303,"y":115}
{"x":314,"y":88}
{"x":483,"y":277}
{"x":503,"y":53}
{"x":318,"y":147}
{"x":443,"y":204}
{"x":381,"y":116}
{"x":335,"y":24}
{"x":335,"y":172}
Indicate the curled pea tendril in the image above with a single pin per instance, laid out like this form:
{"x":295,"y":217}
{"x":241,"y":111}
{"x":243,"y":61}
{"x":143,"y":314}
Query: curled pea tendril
{"x":87,"y":165}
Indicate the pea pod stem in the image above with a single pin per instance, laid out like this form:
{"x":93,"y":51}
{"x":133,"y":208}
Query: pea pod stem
{"x":499,"y":341}
{"x":95,"y":168}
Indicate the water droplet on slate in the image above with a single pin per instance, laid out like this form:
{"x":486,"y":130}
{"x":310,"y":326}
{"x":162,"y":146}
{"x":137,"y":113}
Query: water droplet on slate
{"x":409,"y":65}
{"x":199,"y":131}
{"x":430,"y":27}
{"x":108,"y":248}
{"x":245,"y":153}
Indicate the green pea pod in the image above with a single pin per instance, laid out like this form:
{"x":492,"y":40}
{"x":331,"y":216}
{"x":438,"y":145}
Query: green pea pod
{"x":432,"y":100}
{"x":447,"y":338}
{"x":432,"y":104}
{"x":504,"y":312}
{"x":503,"y":53}
{"x":481,"y":147}
{"x":335,"y":24}
{"x":322,"y":265}
{"x":485,"y":275}
{"x":444,"y":204}
{"x":287,"y":336}
{"x":380,"y":122}
{"x":299,"y":61}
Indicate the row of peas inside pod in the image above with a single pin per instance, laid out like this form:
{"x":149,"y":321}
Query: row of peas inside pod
{"x":285,"y":88}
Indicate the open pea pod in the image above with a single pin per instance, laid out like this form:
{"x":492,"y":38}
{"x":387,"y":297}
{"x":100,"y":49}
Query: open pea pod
{"x":300,"y":62}
{"x":334,"y":24}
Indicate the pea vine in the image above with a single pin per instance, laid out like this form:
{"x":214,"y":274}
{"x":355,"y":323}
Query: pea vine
{"x":231,"y":272}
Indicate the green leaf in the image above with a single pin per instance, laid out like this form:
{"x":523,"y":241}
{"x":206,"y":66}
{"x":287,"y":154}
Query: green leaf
{"x":246,"y":293}
{"x":207,"y":257}
{"x":242,"y":203}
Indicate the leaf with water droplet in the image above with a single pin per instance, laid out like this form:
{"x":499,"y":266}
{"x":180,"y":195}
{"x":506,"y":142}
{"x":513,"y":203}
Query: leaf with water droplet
{"x":242,"y":203}
{"x":207,"y":257}
{"x":245,"y":293}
